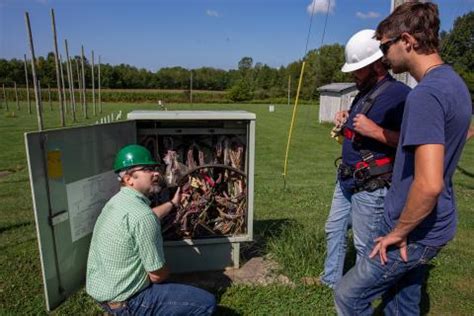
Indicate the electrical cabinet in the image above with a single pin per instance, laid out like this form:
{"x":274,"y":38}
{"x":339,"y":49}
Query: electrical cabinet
{"x":71,"y":179}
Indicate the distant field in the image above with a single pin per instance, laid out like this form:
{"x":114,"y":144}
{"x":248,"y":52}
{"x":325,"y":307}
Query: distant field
{"x":11,"y":91}
{"x":160,"y":90}
{"x":123,"y":95}
{"x":288,"y":226}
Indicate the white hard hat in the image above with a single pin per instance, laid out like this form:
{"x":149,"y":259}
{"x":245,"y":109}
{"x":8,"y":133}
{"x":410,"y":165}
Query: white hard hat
{"x":362,"y":49}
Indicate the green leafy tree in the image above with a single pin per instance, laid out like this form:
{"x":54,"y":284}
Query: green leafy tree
{"x":323,"y":67}
{"x":245,"y":64}
{"x":208,"y":78}
{"x":457,"y":48}
{"x":457,"y":45}
{"x":173,"y":78}
{"x":265,"y":79}
{"x":242,"y":91}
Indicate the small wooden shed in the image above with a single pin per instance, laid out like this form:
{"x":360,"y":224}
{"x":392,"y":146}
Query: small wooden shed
{"x":335,"y":97}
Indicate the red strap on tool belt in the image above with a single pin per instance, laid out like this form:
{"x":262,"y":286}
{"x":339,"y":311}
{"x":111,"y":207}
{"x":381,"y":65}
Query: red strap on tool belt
{"x":378,"y":162}
{"x":369,"y":167}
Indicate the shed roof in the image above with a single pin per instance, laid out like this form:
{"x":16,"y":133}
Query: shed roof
{"x":338,"y":87}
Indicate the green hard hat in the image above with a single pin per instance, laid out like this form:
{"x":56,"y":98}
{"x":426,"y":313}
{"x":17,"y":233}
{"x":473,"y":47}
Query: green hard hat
{"x":133,"y":155}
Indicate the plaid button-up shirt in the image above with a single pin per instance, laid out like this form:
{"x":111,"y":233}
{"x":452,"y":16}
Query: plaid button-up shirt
{"x":126,"y":244}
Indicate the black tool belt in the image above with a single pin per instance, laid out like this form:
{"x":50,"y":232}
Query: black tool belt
{"x":372,"y":184}
{"x":363,"y":179}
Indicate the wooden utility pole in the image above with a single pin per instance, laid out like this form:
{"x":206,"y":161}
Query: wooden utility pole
{"x":16,"y":97}
{"x":58,"y":76}
{"x":191,"y":88}
{"x":79,"y":82}
{"x":100,"y":98}
{"x":27,"y":85}
{"x":70,"y":82}
{"x":40,"y":94}
{"x":5,"y":97}
{"x":93,"y":86}
{"x":84,"y":99}
{"x":63,"y":86}
{"x":50,"y":100}
{"x":39,"y":113}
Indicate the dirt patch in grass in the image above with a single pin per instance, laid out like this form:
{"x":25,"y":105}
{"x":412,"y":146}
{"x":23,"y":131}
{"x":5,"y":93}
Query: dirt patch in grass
{"x":256,"y":271}
{"x":465,"y":285}
{"x":4,"y":173}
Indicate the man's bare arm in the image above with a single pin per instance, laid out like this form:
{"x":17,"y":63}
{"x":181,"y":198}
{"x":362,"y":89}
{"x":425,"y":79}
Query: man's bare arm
{"x":159,"y":275}
{"x":426,"y":187}
{"x":164,"y":209}
{"x":368,"y":128}
{"x":422,"y":197}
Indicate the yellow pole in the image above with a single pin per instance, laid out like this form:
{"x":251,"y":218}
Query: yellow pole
{"x":285,"y":167}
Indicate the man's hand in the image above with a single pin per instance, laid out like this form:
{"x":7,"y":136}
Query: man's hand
{"x":382,"y":243}
{"x":365,"y":126}
{"x":162,"y":210}
{"x":177,"y":197}
{"x":470,"y":133}
{"x":340,"y":118}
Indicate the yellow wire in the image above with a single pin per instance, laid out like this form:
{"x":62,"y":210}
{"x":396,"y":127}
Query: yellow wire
{"x":293,"y":118}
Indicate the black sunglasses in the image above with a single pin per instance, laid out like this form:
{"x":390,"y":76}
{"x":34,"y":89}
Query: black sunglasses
{"x":150,"y":168}
{"x":384,"y":47}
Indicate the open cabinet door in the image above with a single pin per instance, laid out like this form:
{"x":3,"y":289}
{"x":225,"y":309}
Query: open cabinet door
{"x":71,"y":179}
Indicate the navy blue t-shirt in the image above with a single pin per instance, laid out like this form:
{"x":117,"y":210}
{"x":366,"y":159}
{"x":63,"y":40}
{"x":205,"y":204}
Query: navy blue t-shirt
{"x":387,"y":112}
{"x":437,"y":111}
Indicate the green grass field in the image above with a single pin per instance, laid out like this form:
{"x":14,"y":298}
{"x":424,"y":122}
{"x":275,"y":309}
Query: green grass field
{"x":289,"y":222}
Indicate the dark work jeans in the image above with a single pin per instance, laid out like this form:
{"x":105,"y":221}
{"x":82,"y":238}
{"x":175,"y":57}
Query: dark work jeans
{"x":167,"y":299}
{"x":397,"y":282}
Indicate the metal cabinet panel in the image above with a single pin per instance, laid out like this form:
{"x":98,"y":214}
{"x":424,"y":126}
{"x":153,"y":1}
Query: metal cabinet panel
{"x":61,"y":161}
{"x":71,"y":179}
{"x":188,"y":127}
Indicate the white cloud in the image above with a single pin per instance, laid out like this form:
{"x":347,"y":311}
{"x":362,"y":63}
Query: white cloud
{"x":321,"y":6}
{"x":213,"y":13}
{"x":368,"y":15}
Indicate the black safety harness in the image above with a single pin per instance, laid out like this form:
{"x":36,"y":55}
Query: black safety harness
{"x":369,"y":174}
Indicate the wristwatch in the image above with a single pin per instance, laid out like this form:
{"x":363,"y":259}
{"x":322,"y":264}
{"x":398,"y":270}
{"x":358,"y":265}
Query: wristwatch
{"x":173,"y":204}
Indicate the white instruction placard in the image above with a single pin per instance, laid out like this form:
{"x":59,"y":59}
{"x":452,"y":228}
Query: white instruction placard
{"x":86,"y":198}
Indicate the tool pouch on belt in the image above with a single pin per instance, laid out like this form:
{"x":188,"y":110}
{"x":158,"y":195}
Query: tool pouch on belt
{"x":371,"y":185}
{"x":344,"y":171}
{"x":371,"y":174}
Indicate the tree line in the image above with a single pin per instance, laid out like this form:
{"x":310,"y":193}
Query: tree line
{"x":250,"y":80}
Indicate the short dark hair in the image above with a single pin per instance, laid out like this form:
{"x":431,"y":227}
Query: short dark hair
{"x":420,"y":20}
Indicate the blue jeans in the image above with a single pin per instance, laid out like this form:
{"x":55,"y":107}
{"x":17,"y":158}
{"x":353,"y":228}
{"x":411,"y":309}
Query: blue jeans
{"x":397,"y":282}
{"x":167,"y":299}
{"x":363,"y":211}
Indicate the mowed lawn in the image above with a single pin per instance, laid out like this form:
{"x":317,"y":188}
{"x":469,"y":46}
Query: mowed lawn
{"x":288,"y":226}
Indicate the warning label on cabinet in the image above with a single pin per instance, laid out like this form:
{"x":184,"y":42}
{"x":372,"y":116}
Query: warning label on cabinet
{"x":86,"y":198}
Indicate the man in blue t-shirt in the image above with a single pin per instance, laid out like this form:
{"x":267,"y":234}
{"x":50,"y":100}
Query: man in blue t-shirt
{"x":420,"y":209}
{"x":371,"y":129}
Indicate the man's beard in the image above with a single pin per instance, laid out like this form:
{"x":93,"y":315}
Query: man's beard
{"x":156,"y":187}
{"x":369,"y":82}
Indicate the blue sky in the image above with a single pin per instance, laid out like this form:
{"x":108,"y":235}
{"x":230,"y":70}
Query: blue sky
{"x":193,"y":33}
